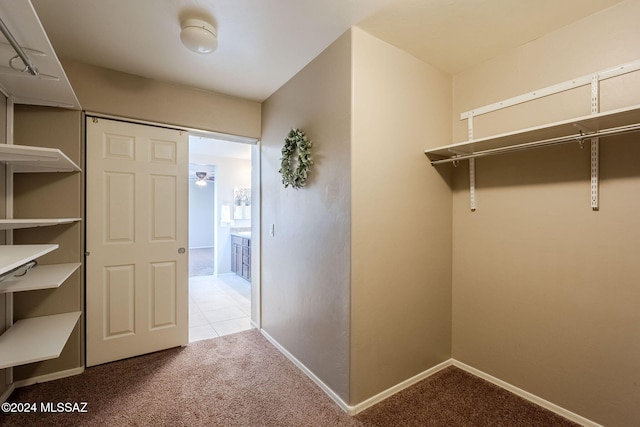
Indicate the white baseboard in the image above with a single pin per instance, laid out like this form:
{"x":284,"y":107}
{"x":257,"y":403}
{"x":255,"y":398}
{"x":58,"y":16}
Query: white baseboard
{"x":355,"y":409}
{"x":341,"y":403}
{"x":528,"y":396}
{"x":401,"y":386}
{"x":350,"y":409}
{"x":49,"y":377}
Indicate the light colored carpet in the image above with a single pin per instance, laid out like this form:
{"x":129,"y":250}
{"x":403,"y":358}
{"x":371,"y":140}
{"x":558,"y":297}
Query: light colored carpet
{"x":242,"y":380}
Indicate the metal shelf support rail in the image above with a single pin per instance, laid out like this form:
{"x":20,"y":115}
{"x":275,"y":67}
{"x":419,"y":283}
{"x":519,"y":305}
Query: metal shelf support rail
{"x":472,"y":169}
{"x":595,"y":143}
{"x":554,"y":89}
{"x":594,"y":136}
{"x":29,"y":67}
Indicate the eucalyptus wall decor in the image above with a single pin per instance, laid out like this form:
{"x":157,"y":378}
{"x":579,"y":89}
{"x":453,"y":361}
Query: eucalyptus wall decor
{"x":295,"y":143}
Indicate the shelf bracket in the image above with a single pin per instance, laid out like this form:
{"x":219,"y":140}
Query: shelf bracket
{"x":28,"y":65}
{"x":472,"y":184}
{"x":595,"y":144}
{"x":472,"y":169}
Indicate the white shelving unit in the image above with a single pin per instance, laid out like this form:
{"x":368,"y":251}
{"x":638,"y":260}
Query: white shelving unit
{"x":580,"y":129}
{"x":13,"y":256}
{"x":610,"y":123}
{"x":36,"y":339}
{"x":25,"y":159}
{"x":40,"y":338}
{"x":40,"y":277}
{"x":14,"y":224}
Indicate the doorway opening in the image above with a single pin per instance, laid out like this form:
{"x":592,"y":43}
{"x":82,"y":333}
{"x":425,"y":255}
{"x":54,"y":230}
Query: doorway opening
{"x":220,"y":177}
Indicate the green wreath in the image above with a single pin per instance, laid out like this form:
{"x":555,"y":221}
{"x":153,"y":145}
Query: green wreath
{"x":296,"y":141}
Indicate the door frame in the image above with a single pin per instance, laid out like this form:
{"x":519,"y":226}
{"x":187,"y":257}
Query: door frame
{"x":256,"y":191}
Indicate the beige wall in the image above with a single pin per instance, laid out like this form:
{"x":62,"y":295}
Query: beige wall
{"x":356,"y":281}
{"x":305,"y":274}
{"x":52,"y":195}
{"x":545,"y":290}
{"x":401,"y":218}
{"x":104,"y":91}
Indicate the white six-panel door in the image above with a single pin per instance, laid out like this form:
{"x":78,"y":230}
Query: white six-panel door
{"x":137,"y":265}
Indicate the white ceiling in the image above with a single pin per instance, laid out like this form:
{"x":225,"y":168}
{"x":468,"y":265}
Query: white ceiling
{"x":203,"y":146}
{"x":263,"y":43}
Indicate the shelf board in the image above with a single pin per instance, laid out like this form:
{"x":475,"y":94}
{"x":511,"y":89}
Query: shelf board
{"x":13,"y":224}
{"x":567,"y":128}
{"x":40,"y":277}
{"x":25,"y":159}
{"x":36,"y":339}
{"x":13,"y":256}
{"x":22,"y":19}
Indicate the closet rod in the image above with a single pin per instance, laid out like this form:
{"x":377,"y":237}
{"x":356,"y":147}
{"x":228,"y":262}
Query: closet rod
{"x":14,"y":44}
{"x":543,"y":143}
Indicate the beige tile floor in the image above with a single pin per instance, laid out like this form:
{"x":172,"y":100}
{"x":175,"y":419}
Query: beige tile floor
{"x":218,"y":305}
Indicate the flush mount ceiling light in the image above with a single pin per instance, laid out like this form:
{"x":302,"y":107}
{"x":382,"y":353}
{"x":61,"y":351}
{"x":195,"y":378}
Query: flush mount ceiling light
{"x":199,"y":36}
